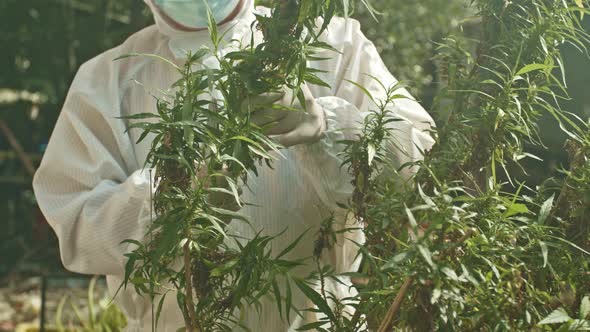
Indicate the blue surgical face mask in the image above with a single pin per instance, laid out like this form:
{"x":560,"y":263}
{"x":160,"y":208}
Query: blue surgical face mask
{"x":193,"y":13}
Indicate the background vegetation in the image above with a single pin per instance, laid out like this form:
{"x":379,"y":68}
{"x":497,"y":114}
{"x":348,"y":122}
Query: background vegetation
{"x":43,"y":44}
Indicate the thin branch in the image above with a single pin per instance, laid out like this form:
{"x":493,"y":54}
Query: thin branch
{"x":396,"y":305}
{"x":562,"y":204}
{"x":189,"y":289}
{"x":397,"y":302}
{"x":25,"y":159}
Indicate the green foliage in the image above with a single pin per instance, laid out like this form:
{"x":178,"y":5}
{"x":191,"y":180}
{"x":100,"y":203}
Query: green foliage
{"x":475,"y":256}
{"x":106,"y":318}
{"x":204,"y":127}
{"x":406,"y":33}
{"x":560,"y":316}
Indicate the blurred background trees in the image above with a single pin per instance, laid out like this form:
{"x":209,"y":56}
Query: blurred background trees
{"x":45,"y":41}
{"x":406,"y":35}
{"x":43,"y":44}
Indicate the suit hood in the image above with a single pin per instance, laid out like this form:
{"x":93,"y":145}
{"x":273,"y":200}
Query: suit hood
{"x":182,"y":41}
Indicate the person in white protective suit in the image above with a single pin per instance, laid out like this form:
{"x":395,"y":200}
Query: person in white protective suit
{"x":94,"y":193}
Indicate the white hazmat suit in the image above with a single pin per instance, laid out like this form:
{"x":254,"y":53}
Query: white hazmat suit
{"x":94,"y":193}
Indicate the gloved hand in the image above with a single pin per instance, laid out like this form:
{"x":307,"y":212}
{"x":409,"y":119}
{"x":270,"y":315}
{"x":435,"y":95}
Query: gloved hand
{"x":291,"y":124}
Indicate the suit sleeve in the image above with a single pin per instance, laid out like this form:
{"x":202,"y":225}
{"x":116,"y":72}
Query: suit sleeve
{"x":89,"y":185}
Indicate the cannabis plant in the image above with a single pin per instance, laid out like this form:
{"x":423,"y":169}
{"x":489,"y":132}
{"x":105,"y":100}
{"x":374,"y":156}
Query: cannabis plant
{"x":465,"y":246}
{"x":204,"y":145}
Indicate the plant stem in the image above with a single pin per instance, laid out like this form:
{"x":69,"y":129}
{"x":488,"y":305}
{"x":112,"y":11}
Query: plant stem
{"x":20,"y":152}
{"x":397,"y":303}
{"x":562,"y":204}
{"x":189,"y":288}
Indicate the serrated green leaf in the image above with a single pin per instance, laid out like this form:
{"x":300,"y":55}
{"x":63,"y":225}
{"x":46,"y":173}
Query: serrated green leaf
{"x":292,"y":245}
{"x":371,"y":151}
{"x":426,"y":254}
{"x":545,"y":210}
{"x":515,"y":208}
{"x":187,"y":115}
{"x":585,"y":307}
{"x":312,"y":326}
{"x":211,"y":25}
{"x":450,"y":273}
{"x":288,"y":298}
{"x":436,"y":293}
{"x":544,"y":252}
{"x":315,"y":298}
{"x":578,"y":325}
{"x":532,"y":67}
{"x":363,"y":89}
{"x":222,"y":269}
{"x":155,"y":56}
{"x":139,"y":116}
{"x":557,"y":316}
{"x":277,"y":295}
{"x":411,"y":218}
{"x":159,"y":309}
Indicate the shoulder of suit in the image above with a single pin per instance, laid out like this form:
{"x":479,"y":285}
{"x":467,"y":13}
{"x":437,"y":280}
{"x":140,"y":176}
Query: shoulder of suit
{"x":107,"y":67}
{"x":344,"y":34}
{"x":344,"y":24}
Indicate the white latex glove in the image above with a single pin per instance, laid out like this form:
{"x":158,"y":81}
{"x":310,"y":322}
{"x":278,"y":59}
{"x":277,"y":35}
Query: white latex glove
{"x":293,"y":126}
